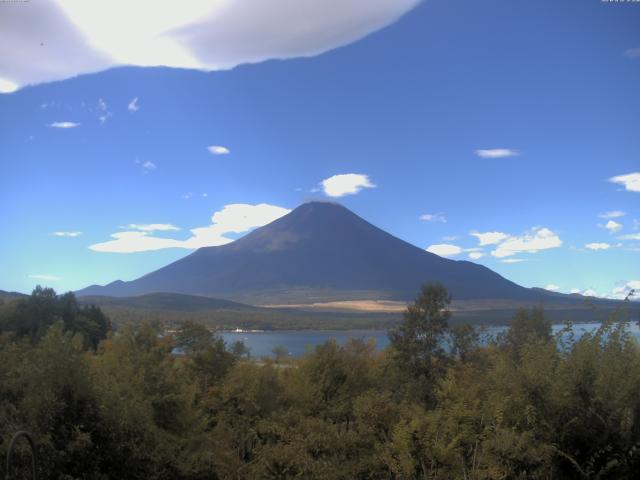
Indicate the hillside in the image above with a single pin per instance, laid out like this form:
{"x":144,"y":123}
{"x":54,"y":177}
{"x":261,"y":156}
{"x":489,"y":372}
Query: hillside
{"x":319,"y":252}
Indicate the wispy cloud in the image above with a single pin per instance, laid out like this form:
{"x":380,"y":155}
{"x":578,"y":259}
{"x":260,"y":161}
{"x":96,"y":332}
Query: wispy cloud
{"x":103,"y":111}
{"x":152,"y":227}
{"x":630,"y":236}
{"x":632,"y":52}
{"x":190,"y":195}
{"x":612,"y":214}
{"x":434,"y":217}
{"x":497,"y":153}
{"x":133,"y":105}
{"x":218,"y":150}
{"x":513,"y":260}
{"x":538,"y":238}
{"x":64,"y":125}
{"x":476,"y":255}
{"x":598,"y":246}
{"x":147,"y":165}
{"x":346,"y":184}
{"x":552,"y":288}
{"x":630,"y":181}
{"x":66,"y":234}
{"x":232,"y":219}
{"x":46,"y":278}
{"x":489,"y":238}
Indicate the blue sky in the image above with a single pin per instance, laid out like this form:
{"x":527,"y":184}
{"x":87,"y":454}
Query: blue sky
{"x":506,"y":117}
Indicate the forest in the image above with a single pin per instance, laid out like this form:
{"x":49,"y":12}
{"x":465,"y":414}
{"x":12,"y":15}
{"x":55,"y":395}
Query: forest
{"x":438,"y":403}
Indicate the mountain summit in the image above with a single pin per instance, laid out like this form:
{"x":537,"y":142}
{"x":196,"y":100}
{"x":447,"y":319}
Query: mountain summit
{"x":320,"y":251}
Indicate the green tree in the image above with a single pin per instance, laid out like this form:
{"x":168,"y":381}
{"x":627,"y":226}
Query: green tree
{"x":31,"y":317}
{"x":207,"y":354}
{"x":464,"y":340}
{"x":239,"y":349}
{"x":418,"y":341}
{"x":280,"y":353}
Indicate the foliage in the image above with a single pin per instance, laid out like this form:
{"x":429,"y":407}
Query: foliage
{"x":436,"y":404}
{"x":32,"y":316}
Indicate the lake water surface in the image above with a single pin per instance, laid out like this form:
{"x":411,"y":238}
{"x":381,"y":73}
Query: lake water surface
{"x":298,"y":342}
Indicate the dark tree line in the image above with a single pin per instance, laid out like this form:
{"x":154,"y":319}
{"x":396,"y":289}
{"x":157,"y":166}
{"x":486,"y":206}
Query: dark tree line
{"x":33,"y":316}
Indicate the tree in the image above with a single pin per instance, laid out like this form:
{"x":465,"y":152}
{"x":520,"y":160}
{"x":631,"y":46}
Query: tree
{"x":32,"y":316}
{"x":418,"y":341}
{"x":239,"y":349}
{"x":527,"y":328}
{"x":464,"y":340}
{"x":208,"y":355}
{"x":280,"y":353}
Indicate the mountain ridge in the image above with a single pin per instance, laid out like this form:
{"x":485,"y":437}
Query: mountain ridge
{"x":320,"y":251}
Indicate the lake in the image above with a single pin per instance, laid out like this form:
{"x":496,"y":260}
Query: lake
{"x":298,"y":342}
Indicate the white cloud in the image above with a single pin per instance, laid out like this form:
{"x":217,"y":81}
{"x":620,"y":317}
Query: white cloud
{"x":131,"y":242}
{"x":622,"y":291}
{"x":66,"y":234}
{"x":152,"y":227}
{"x":190,"y":195}
{"x":497,"y":153}
{"x":632,"y":52}
{"x":133,"y":105}
{"x":47,"y":278}
{"x":445,"y":249}
{"x":199,"y":34}
{"x":103,"y":111}
{"x":589,"y":292}
{"x":552,"y":288}
{"x":625,"y":289}
{"x":489,"y":238}
{"x":218,"y":150}
{"x":147,"y":166}
{"x":630,"y":236}
{"x":476,"y":255}
{"x":612,"y":226}
{"x":64,"y":125}
{"x":598,"y":246}
{"x":575,"y":290}
{"x":539,"y":238}
{"x":630,"y":181}
{"x":513,"y":260}
{"x":233,"y":218}
{"x":434,"y":217}
{"x":346,"y":184}
{"x":7,"y":87}
{"x":612,"y":214}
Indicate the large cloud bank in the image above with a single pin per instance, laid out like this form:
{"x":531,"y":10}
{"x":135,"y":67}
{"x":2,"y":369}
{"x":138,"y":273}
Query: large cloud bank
{"x":57,"y":39}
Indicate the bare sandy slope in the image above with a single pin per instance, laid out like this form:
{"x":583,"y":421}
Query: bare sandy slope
{"x":382,"y":306}
{"x":389,"y":306}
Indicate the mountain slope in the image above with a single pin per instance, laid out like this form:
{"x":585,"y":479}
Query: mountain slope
{"x":318,"y":252}
{"x":166,"y":301}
